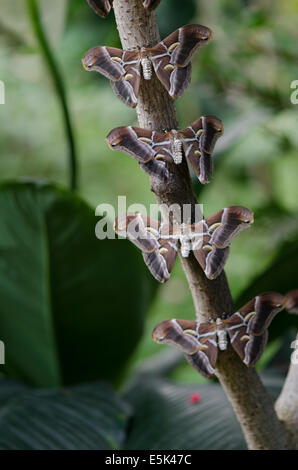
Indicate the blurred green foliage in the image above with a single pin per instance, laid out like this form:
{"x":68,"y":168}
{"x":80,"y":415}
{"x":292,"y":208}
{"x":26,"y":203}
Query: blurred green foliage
{"x":243,"y":77}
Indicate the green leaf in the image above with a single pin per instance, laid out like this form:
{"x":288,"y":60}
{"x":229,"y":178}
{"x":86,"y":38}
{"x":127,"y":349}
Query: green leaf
{"x":164,"y":418}
{"x":72,"y":306}
{"x":78,"y":418}
{"x":281,"y":276}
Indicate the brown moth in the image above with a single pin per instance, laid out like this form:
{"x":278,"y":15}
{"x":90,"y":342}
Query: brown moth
{"x":170,"y":60}
{"x":154,"y":149}
{"x":103,"y":7}
{"x":246,"y":330}
{"x":209,"y":239}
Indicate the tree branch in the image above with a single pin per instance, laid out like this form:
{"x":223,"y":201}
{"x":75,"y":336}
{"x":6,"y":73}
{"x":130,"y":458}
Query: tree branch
{"x":248,"y":396}
{"x":287,"y":404}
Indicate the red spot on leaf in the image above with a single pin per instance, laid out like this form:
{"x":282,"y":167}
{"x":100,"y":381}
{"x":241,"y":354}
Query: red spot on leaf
{"x":195,"y":398}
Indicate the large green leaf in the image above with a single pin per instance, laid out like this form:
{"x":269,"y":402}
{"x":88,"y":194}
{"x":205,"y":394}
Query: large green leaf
{"x":72,"y":307}
{"x":281,"y":276}
{"x":164,"y":417}
{"x":82,"y":417}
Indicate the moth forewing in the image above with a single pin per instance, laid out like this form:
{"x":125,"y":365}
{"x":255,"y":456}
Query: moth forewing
{"x":133,"y":227}
{"x":138,"y":143}
{"x":215,"y":261}
{"x":212,"y":129}
{"x":234,"y":219}
{"x":170,"y":332}
{"x":254,"y":349}
{"x":265,"y":306}
{"x":121,"y":67}
{"x":179,"y":81}
{"x":99,"y":59}
{"x":189,"y":38}
{"x":133,"y":141}
{"x":199,"y":350}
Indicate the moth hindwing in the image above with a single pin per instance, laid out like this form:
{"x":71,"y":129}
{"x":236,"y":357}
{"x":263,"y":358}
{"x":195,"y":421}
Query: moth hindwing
{"x":200,"y":342}
{"x":170,"y":60}
{"x":159,"y":252}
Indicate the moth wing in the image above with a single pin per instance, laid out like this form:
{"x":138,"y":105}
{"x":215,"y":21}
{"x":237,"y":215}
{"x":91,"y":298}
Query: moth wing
{"x":122,"y":68}
{"x":101,"y":7}
{"x":106,"y":60}
{"x":161,"y":144}
{"x":134,"y":141}
{"x":212,"y":260}
{"x":204,"y":360}
{"x":171,"y":57}
{"x":255,"y":348}
{"x":261,"y":310}
{"x":292,"y":301}
{"x":127,"y":90}
{"x":135,"y":228}
{"x":175,"y":79}
{"x":206,"y":130}
{"x":137,"y":143}
{"x":234,"y":219}
{"x":172,"y":332}
{"x":155,"y":168}
{"x":248,"y":346}
{"x":201,"y":363}
{"x":183,"y":43}
{"x":161,"y":261}
{"x":151,"y":4}
{"x":190,"y":140}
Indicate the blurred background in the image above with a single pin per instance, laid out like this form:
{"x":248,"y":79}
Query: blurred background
{"x":74,"y":309}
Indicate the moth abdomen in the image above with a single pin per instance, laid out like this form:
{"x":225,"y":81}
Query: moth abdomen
{"x":177,"y":150}
{"x":147,"y":68}
{"x":221,"y":334}
{"x":185,"y":247}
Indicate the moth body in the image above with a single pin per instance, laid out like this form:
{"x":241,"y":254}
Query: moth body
{"x":222,"y":336}
{"x":185,"y":241}
{"x":146,"y":65}
{"x":177,"y":150}
{"x":185,"y":246}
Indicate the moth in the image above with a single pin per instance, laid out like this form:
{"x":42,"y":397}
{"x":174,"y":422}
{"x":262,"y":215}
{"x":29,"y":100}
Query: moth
{"x":209,"y":239}
{"x":153,"y":150}
{"x":103,"y":7}
{"x":170,"y":60}
{"x":246,"y":330}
